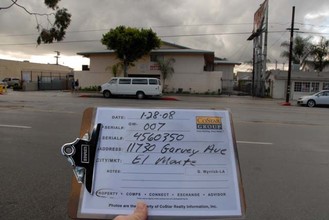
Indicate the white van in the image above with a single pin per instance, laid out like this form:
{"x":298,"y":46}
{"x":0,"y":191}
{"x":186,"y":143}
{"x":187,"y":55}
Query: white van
{"x":139,"y":87}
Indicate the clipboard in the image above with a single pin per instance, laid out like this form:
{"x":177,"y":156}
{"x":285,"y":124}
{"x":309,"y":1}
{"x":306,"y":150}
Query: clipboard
{"x":204,"y":123}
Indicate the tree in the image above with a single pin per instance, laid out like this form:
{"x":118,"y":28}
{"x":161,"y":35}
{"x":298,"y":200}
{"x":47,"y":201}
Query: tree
{"x":300,"y":51}
{"x":166,"y":69}
{"x":319,"y":53}
{"x":130,"y":44}
{"x":57,"y":30}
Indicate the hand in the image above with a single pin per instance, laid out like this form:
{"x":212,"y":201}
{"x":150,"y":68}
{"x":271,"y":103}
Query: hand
{"x":140,"y":213}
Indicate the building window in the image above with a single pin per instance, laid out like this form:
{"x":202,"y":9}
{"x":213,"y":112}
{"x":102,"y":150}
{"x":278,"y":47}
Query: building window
{"x":302,"y":87}
{"x":315,"y":87}
{"x":155,"y":58}
{"x":325,"y":85}
{"x":306,"y":87}
{"x":298,"y":87}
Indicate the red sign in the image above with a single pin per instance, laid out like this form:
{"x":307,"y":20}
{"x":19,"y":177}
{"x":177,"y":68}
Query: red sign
{"x":154,"y":67}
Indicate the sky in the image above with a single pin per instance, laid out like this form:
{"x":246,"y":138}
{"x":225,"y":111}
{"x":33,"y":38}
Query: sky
{"x":222,"y":26}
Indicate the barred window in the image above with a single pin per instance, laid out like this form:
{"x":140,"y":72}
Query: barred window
{"x":298,"y":87}
{"x":315,"y":87}
{"x":325,"y":85}
{"x":303,"y":86}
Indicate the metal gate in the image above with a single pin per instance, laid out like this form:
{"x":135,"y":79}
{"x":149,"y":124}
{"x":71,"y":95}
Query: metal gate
{"x":53,"y":81}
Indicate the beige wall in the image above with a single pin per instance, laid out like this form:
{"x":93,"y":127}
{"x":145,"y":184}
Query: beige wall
{"x":227,"y":71}
{"x":88,"y":78}
{"x":195,"y":82}
{"x":9,"y":68}
{"x":99,"y":63}
{"x":189,"y":74}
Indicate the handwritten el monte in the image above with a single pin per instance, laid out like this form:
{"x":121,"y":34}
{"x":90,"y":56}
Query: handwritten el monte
{"x":181,"y":162}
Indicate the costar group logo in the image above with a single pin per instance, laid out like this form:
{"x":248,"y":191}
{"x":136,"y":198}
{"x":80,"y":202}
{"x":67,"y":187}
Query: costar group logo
{"x":213,"y":123}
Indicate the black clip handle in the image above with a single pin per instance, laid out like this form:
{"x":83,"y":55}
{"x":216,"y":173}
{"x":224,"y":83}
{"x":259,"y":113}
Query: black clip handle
{"x":81,"y":154}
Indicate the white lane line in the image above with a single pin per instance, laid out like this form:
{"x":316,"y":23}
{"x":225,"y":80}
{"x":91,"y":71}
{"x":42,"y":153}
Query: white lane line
{"x":251,"y":142}
{"x":14,"y":126}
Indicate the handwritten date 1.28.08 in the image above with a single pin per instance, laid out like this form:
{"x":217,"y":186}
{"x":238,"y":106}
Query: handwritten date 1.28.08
{"x":158,"y":115}
{"x":165,"y":137}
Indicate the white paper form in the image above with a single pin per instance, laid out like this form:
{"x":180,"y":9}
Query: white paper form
{"x":181,"y":162}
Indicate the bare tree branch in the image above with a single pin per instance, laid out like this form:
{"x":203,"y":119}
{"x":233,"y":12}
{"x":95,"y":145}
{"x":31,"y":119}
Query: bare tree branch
{"x":7,"y":7}
{"x":30,"y":13}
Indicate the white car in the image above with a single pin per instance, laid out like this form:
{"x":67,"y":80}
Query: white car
{"x":319,"y":98}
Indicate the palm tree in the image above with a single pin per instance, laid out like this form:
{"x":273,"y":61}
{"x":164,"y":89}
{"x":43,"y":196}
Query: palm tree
{"x":166,"y":69}
{"x":319,"y":53}
{"x":300,"y":51}
{"x":116,"y":69}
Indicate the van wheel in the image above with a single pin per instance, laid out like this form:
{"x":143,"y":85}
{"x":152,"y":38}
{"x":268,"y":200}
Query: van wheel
{"x":140,"y":95}
{"x":107,"y":94}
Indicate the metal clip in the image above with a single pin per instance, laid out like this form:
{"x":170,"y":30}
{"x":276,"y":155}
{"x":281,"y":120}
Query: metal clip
{"x":81,"y":155}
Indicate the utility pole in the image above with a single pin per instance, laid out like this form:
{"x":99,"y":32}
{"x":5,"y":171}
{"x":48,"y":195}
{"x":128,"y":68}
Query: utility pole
{"x":57,"y":56}
{"x":287,"y":103}
{"x":263,"y":74}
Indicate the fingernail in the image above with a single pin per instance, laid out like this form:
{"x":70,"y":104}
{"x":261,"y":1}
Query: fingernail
{"x":141,"y":206}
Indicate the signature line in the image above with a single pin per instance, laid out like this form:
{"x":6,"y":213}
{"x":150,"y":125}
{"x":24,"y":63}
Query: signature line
{"x":250,"y":142}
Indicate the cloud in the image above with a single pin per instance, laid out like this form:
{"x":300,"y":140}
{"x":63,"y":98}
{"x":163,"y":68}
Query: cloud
{"x":216,"y":25}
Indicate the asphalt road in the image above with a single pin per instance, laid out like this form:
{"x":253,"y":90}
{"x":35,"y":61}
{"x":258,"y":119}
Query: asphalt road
{"x":283,"y":151}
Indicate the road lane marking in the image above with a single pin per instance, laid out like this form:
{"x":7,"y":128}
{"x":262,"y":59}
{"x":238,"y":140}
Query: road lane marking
{"x":251,"y":142}
{"x":15,"y":126}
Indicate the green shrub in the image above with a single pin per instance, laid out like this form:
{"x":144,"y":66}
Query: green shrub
{"x":17,"y":87}
{"x":91,"y":89}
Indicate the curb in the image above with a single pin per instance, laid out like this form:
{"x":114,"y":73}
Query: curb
{"x":166,"y":98}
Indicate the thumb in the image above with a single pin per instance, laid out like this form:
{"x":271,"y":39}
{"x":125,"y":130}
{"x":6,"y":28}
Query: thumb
{"x":140,"y":212}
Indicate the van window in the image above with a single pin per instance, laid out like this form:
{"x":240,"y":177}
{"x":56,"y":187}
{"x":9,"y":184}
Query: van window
{"x":153,"y":81}
{"x":124,"y":81}
{"x":113,"y":81}
{"x":140,"y":81}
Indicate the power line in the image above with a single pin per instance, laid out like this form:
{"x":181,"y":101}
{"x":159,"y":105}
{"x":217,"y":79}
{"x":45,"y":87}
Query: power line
{"x":310,"y":32}
{"x":161,"y":36}
{"x":152,"y":26}
{"x":179,"y":25}
{"x":312,"y":25}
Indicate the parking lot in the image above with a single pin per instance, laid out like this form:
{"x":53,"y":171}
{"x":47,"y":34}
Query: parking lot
{"x":283,"y":151}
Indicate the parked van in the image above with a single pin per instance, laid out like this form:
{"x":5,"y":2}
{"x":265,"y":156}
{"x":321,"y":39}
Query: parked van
{"x":139,"y":87}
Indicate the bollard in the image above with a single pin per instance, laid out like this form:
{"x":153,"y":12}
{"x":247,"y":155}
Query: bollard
{"x":3,"y":88}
